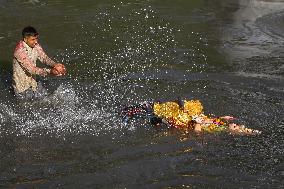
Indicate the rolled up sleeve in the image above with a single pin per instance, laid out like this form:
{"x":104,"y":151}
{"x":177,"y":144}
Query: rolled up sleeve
{"x":43,"y":57}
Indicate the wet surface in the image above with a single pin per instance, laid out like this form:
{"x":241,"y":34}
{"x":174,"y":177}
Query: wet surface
{"x":226,"y":53}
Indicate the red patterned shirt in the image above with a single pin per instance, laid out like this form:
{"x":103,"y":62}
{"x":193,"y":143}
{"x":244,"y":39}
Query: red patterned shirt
{"x":24,"y":66}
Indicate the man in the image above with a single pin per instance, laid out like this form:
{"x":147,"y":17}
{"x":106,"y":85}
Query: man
{"x":26,"y":53}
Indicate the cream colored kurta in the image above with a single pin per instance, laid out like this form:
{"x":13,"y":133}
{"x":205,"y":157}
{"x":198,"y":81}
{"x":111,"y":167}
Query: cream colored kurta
{"x":24,"y":66}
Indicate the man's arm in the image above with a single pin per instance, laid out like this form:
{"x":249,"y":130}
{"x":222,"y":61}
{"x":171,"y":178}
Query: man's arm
{"x":43,"y":57}
{"x":25,"y":61}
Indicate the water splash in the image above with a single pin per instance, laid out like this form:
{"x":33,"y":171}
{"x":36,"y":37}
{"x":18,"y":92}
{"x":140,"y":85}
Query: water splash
{"x":135,"y":40}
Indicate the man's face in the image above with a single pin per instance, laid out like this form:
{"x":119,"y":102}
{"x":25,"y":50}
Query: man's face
{"x":31,"y":41}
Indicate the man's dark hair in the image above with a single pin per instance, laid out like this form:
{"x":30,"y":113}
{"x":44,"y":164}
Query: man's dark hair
{"x":29,"y":31}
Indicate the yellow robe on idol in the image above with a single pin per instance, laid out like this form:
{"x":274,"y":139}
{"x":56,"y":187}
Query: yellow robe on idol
{"x":180,"y":117}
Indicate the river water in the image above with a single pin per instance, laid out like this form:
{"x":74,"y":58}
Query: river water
{"x":228,"y":54}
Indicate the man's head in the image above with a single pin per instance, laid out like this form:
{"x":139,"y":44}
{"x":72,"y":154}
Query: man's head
{"x":30,"y":36}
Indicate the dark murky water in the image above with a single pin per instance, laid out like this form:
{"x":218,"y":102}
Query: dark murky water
{"x":228,"y":54}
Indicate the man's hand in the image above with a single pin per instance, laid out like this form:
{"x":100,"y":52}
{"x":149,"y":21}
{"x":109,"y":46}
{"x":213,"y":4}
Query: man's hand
{"x":58,"y":70}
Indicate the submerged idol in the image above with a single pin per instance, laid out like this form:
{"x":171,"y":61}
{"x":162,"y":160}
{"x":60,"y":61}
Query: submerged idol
{"x":185,"y":115}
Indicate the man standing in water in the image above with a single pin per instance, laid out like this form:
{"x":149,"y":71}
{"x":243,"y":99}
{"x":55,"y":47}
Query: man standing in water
{"x":26,"y":53}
